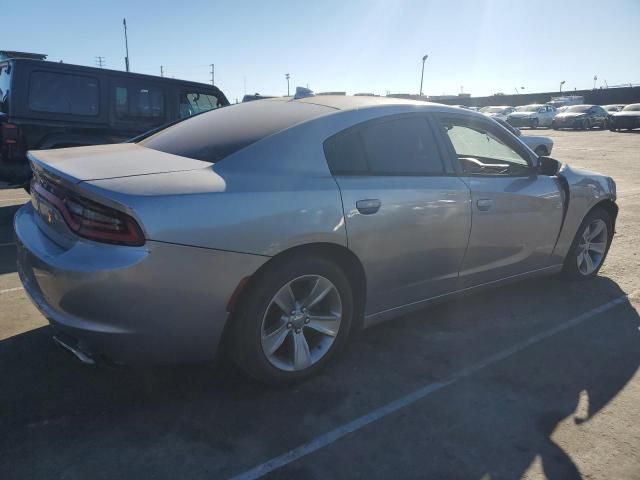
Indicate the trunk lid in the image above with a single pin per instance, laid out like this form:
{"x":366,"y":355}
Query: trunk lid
{"x":98,"y":162}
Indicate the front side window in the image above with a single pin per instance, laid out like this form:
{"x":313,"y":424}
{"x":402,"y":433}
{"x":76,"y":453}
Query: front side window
{"x":194,"y":103}
{"x":63,"y":93}
{"x":399,"y":146}
{"x":482,"y":152}
{"x":133,"y":102}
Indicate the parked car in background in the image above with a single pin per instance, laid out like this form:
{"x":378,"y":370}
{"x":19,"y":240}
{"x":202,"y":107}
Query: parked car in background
{"x":561,"y":109}
{"x":255,"y":96}
{"x":500,"y":112}
{"x":532,"y":116}
{"x":46,"y":105}
{"x":566,"y":101}
{"x":277,"y":241}
{"x":582,"y":117}
{"x":626,"y":119}
{"x":542,"y":146}
{"x":614,"y":108}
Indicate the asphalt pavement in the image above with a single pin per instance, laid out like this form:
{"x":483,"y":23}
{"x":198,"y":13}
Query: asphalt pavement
{"x":533,"y":380}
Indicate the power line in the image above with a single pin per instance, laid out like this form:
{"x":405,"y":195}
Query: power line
{"x":101,"y":62}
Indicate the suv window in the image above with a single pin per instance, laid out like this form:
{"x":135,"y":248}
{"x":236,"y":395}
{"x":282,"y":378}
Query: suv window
{"x":194,"y":103}
{"x":5,"y":81}
{"x":133,"y":102}
{"x":482,"y":151}
{"x":397,"y":146}
{"x":63,"y":93}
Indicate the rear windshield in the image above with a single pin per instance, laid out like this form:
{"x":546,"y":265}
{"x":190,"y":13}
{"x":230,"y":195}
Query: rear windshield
{"x":217,"y":134}
{"x":5,"y":80}
{"x":634,"y":107}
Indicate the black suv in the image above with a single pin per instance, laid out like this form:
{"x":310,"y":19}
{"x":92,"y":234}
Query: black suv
{"x":54,"y":105}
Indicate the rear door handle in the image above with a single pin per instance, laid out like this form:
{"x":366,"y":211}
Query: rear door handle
{"x":484,"y":204}
{"x":368,"y":206}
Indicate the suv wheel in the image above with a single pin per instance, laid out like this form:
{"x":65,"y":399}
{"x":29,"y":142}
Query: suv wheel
{"x":296,"y":316}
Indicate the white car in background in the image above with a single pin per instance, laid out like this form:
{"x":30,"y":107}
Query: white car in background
{"x":542,"y":146}
{"x":501,"y":112}
{"x":532,"y":116}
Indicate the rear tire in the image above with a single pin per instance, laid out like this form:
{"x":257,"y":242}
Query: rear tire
{"x":593,"y":238}
{"x":261,"y":317}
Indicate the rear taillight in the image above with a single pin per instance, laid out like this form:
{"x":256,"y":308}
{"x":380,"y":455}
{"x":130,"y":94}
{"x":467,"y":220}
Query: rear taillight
{"x":93,"y":220}
{"x":9,"y":133}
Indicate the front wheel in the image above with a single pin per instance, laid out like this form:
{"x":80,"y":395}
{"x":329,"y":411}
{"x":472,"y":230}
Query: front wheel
{"x":295,"y":317}
{"x":535,"y":123}
{"x":590,"y":246}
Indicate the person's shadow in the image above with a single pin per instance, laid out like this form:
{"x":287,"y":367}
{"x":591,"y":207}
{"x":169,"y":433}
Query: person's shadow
{"x":61,"y":418}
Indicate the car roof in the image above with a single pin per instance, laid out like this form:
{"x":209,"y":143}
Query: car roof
{"x":344,"y":102}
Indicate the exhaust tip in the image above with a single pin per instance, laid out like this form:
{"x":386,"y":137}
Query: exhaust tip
{"x":80,"y":355}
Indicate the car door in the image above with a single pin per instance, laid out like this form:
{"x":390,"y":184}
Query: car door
{"x":407,"y":213}
{"x":516,"y":213}
{"x":547,"y":116}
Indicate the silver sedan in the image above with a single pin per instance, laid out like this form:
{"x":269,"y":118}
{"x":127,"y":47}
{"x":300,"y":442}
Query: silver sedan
{"x":276,"y":228}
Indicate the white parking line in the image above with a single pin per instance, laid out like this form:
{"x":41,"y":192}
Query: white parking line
{"x":7,"y":290}
{"x":361,"y":422}
{"x":9,"y":244}
{"x":14,"y":199}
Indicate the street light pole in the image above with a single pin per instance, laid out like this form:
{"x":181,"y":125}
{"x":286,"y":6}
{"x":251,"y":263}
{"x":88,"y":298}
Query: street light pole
{"x":286,"y":75}
{"x":422,"y":75}
{"x":562,"y":83}
{"x":126,"y":44}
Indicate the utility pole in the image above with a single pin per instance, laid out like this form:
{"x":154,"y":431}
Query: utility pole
{"x":286,"y":75}
{"x":595,"y":79}
{"x":422,"y":75}
{"x":161,"y":71}
{"x":126,"y":44}
{"x":100,"y":62}
{"x":212,"y":70}
{"x":562,"y":83}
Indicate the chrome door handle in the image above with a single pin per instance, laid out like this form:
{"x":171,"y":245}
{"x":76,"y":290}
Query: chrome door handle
{"x":484,"y":204}
{"x":368,"y":206}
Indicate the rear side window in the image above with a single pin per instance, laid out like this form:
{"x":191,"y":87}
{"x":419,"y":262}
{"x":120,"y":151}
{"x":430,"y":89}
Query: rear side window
{"x":134,"y":102}
{"x":63,"y":93}
{"x":5,"y":81}
{"x":399,"y":146}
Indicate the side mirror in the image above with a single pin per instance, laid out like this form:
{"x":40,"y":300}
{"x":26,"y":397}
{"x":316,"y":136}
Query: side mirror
{"x":548,"y":166}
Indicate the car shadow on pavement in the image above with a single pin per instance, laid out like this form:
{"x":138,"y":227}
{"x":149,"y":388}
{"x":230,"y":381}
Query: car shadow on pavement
{"x":64,"y":419}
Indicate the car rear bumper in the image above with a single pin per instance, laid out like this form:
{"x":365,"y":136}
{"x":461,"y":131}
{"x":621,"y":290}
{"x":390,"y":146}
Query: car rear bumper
{"x":159,"y":303}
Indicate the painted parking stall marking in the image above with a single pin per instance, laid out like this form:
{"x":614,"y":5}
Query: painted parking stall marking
{"x":390,"y":408}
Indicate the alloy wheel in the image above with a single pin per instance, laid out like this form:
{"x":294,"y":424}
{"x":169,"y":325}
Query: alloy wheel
{"x":301,"y":323}
{"x":592,"y":247}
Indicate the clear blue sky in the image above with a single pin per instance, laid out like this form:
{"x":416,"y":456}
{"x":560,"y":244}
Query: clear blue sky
{"x":344,"y":45}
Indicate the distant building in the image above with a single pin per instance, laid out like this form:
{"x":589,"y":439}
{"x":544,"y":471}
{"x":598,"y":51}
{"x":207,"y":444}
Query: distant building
{"x":332,"y":93}
{"x":7,"y":54}
{"x":365,"y":95}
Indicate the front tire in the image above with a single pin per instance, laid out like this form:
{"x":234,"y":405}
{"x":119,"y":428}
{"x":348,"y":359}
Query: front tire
{"x":590,"y":246}
{"x":535,"y":123}
{"x":296,"y":315}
